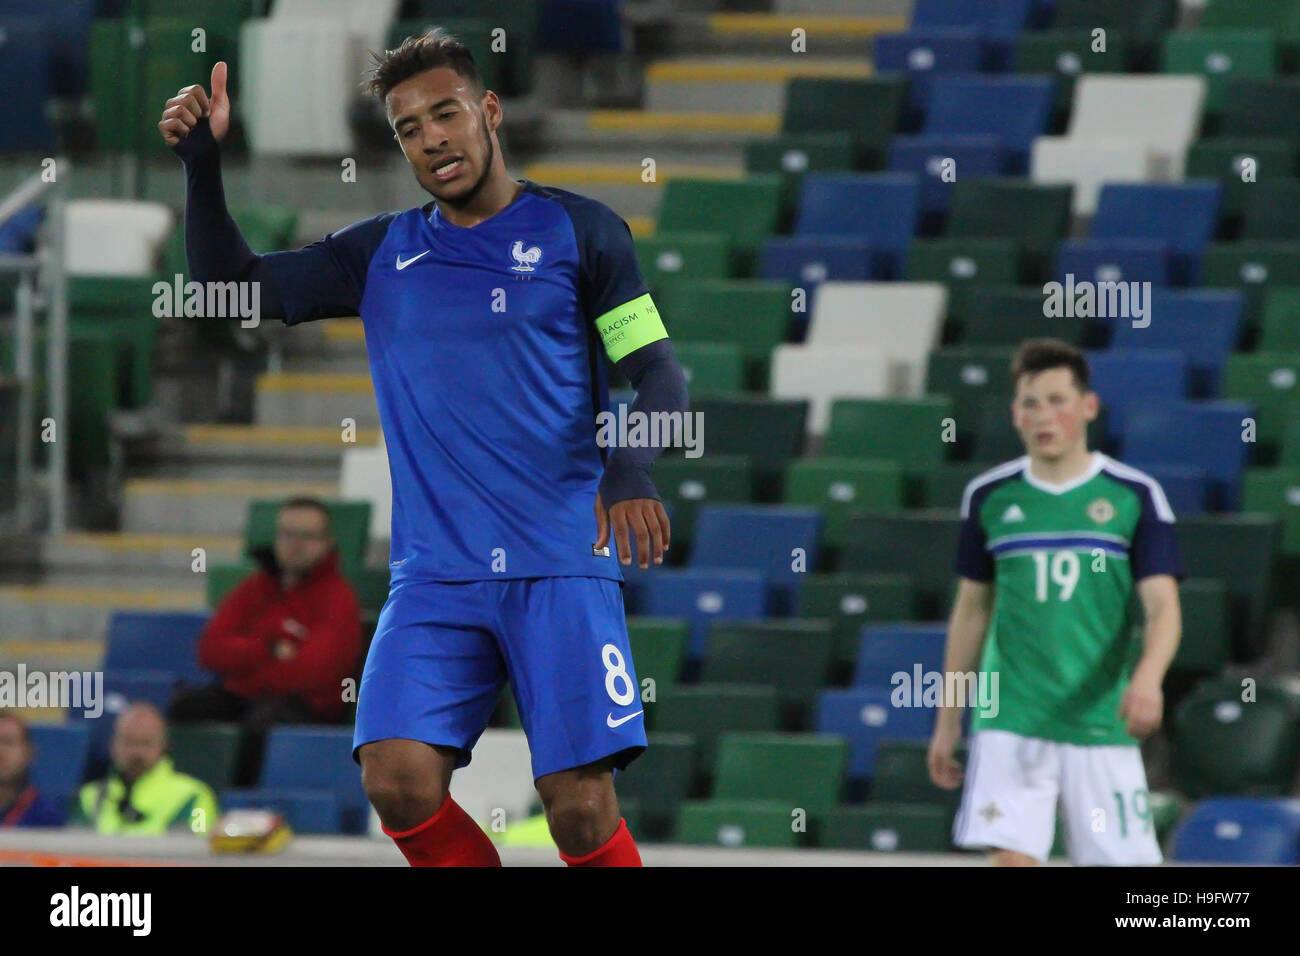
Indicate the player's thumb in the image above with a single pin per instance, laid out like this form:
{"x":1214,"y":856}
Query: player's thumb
{"x":219,"y":76}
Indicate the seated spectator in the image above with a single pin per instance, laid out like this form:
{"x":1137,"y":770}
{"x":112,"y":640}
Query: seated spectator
{"x":143,"y":793}
{"x":283,"y":641}
{"x":21,"y":804}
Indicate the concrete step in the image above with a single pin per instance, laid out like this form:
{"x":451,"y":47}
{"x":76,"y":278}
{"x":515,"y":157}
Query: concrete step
{"x":315,"y":400}
{"x":831,"y":27}
{"x":281,"y":452}
{"x":197,"y":507}
{"x":47,"y":655}
{"x":620,"y":185}
{"x":714,"y":135}
{"x":63,"y":612}
{"x":115,"y":559}
{"x":738,"y":84}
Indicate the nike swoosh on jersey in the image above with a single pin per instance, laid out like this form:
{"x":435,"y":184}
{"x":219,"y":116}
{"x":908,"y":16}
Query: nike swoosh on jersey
{"x":609,"y":719}
{"x":402,"y":265}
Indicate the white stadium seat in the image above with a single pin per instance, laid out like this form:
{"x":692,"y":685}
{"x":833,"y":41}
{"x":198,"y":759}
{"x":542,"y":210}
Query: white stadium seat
{"x":1088,"y":165}
{"x":903,"y":320}
{"x":365,"y":475}
{"x":822,"y":374}
{"x":1162,"y":111}
{"x":114,"y":237}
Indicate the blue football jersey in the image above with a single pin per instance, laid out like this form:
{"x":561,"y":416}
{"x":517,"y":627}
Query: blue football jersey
{"x":485,"y":349}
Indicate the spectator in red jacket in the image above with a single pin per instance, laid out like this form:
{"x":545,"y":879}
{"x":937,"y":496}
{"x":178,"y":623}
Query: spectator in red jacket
{"x":284,"y":640}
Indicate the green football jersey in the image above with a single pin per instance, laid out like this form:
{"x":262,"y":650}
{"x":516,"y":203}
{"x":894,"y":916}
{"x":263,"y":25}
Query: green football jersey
{"x":1063,"y":559}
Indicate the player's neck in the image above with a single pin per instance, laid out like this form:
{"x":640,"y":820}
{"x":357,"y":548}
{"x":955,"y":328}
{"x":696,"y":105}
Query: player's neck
{"x":497,"y":193}
{"x":1066,"y":468}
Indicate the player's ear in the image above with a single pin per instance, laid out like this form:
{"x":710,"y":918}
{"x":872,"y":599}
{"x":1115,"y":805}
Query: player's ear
{"x":1091,"y":405}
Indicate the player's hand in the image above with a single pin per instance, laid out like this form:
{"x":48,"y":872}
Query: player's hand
{"x":1143,"y":706}
{"x":184,"y":110}
{"x":945,"y":770}
{"x":641,"y":518}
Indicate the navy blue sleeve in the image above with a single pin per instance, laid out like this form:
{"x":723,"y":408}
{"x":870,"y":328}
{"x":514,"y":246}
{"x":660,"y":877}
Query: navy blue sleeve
{"x":973,"y":559}
{"x":326,"y":279}
{"x":660,"y":385}
{"x":608,"y":272}
{"x":1154,"y":546}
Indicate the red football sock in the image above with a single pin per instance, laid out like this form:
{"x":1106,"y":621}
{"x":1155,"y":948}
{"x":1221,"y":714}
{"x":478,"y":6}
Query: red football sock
{"x":619,"y":850}
{"x":448,"y":838}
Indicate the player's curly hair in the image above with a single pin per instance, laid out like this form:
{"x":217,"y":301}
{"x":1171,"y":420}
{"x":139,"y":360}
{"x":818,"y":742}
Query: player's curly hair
{"x":1039,"y":355}
{"x":416,"y":54}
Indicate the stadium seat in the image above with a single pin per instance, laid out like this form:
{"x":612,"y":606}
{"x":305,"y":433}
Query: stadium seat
{"x":364,"y":476}
{"x":1268,"y":381}
{"x":864,"y":716}
{"x":1113,"y":260}
{"x":902,"y":319}
{"x":317,"y":758}
{"x":27,"y":72}
{"x":60,"y":761}
{"x":746,"y":211}
{"x":668,"y":256}
{"x":1272,"y":210}
{"x":1276,"y":491}
{"x":936,"y":160}
{"x":699,"y":596}
{"x":849,"y":601}
{"x":973,"y":377}
{"x":1068,"y":54}
{"x":1278,"y":330}
{"x":1088,"y":164}
{"x":1014,"y":109}
{"x":658,"y":649}
{"x":890,"y":649}
{"x":712,"y":366}
{"x":909,"y":431}
{"x":221,"y":579}
{"x":943,"y":485}
{"x":1220,"y":56}
{"x":888,"y":828}
{"x":1255,"y":107}
{"x":1003,"y":316}
{"x":208,"y":751}
{"x":900,"y":775}
{"x":1184,"y":486}
{"x":805,"y":771}
{"x":1141,"y":22}
{"x":869,"y":110}
{"x":1206,"y":641}
{"x":1206,"y":434}
{"x":114,"y":237}
{"x":780,"y":542}
{"x":753,"y":314}
{"x":768,"y":431}
{"x":920,"y":55}
{"x":307,"y":811}
{"x":882,"y":208}
{"x":822,"y":374}
{"x":659,"y":780}
{"x":1239,"y":164}
{"x":794,"y":656}
{"x":920,"y":543}
{"x":1240,"y":831}
{"x":792,"y":155}
{"x":966,"y":266}
{"x":837,"y":486}
{"x":1280,"y":17}
{"x":737,"y":823}
{"x":157,"y":640}
{"x":1238,"y":550}
{"x":1205,"y":324}
{"x":1224,"y":745}
{"x":1253,"y":267}
{"x":706,"y":711}
{"x":1033,"y":215}
{"x":520,"y":20}
{"x":1182,"y":214}
{"x":686,"y":483}
{"x":806,"y":261}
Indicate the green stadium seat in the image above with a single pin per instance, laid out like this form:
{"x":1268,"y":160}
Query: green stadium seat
{"x":805,"y":771}
{"x":901,"y":776}
{"x":1280,"y":17}
{"x":794,"y":656}
{"x":737,"y":823}
{"x":792,"y":156}
{"x":1226,"y":746}
{"x":668,"y":256}
{"x":1068,"y":54}
{"x":506,"y":714}
{"x":1007,"y":315}
{"x":747,"y":312}
{"x":1035,"y":216}
{"x":685,"y":484}
{"x":1276,"y":491}
{"x":748,"y":210}
{"x":350,"y":521}
{"x":1280,"y":320}
{"x":1260,"y":107}
{"x":221,"y":579}
{"x":1166,"y":808}
{"x":370,"y":586}
{"x":967,"y":266}
{"x":769,"y":432}
{"x":942,"y":486}
{"x":910,"y":431}
{"x":921,"y":543}
{"x":850,"y":601}
{"x":712,"y":366}
{"x":658,"y":649}
{"x":1271,"y":381}
{"x":658,"y":781}
{"x":1220,"y":56}
{"x":1205,"y":645}
{"x":1289,"y":456}
{"x":840,"y":485}
{"x":888,"y":828}
{"x":706,"y":711}
{"x":1141,"y":22}
{"x":1272,"y":210}
{"x":518,"y":19}
{"x":1237,"y":549}
{"x":1224,"y":159}
{"x":474,"y":32}
{"x":208,"y":751}
{"x":973,"y":376}
{"x":870,"y":110}
{"x":1253,"y":266}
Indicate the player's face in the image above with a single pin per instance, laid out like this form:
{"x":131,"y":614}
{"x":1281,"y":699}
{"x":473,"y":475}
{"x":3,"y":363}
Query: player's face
{"x":446,"y":132}
{"x":1051,"y":413}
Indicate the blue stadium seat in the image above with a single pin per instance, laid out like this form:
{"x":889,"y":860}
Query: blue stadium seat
{"x":123,"y":687}
{"x":889,"y":649}
{"x":701,"y":597}
{"x":18,"y":235}
{"x":865,"y":716}
{"x":1201,"y":434}
{"x":923,"y":54}
{"x":1015,"y":109}
{"x":1124,"y":376}
{"x":580,"y":26}
{"x":1182,"y":214}
{"x":1240,"y":830}
{"x":307,"y":811}
{"x":1113,"y":260}
{"x":807,"y":260}
{"x":1204,"y":324}
{"x":27,"y":77}
{"x":158,"y":640}
{"x":59,"y":766}
{"x":925,"y":157}
{"x":881,"y":208}
{"x":1186,"y":487}
{"x":999,"y":21}
{"x":761,"y":538}
{"x":67,"y":23}
{"x":317,"y":758}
